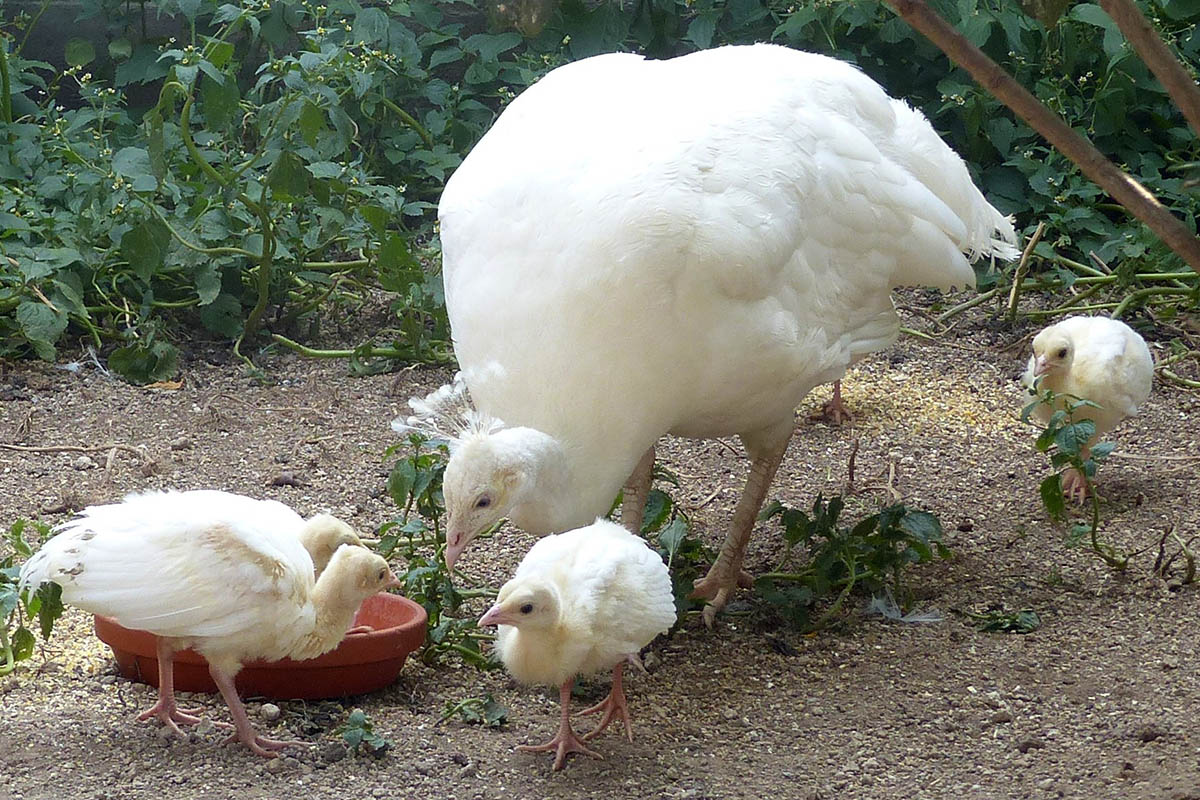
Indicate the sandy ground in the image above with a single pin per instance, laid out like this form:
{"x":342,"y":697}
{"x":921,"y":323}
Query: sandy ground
{"x":1100,"y":702}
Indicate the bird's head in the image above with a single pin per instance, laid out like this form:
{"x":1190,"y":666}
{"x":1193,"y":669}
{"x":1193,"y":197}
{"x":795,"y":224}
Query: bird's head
{"x":357,"y":573}
{"x":1052,"y":351}
{"x":322,"y":535}
{"x":524,"y":602}
{"x":483,"y":480}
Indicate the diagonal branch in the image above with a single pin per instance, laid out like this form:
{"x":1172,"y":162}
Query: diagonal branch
{"x":1158,"y":57}
{"x":1127,"y":191}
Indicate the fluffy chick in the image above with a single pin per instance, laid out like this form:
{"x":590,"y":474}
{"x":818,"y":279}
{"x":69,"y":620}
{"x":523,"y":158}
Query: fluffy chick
{"x":196,"y":574}
{"x":581,"y":602}
{"x":1094,"y":358}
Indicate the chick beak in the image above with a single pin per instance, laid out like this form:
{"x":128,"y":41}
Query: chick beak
{"x":494,"y":616}
{"x":1041,"y":365}
{"x":393,"y":581}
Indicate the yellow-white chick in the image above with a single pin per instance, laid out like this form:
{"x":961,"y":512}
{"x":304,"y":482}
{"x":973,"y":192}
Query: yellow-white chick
{"x":1094,"y":358}
{"x":231,"y":579}
{"x":581,"y":602}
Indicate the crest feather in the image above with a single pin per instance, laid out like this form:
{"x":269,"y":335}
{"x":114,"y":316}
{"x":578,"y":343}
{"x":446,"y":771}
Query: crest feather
{"x":446,"y":413}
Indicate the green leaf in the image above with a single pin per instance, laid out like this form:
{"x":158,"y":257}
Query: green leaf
{"x":671,"y":537}
{"x":1102,"y":450}
{"x":219,"y":100}
{"x":1052,"y":497}
{"x":1074,"y":437}
{"x":657,"y":511}
{"x":312,"y":122}
{"x":224,"y":316}
{"x":41,"y":326}
{"x":22,"y":643}
{"x":288,"y":177}
{"x":371,"y":25}
{"x":145,"y":245}
{"x":120,"y":49}
{"x":79,"y":52}
{"x":208,"y":282}
{"x":51,"y":607}
{"x":921,"y":525}
{"x":489,"y":45}
{"x":139,"y":363}
{"x":131,"y":162}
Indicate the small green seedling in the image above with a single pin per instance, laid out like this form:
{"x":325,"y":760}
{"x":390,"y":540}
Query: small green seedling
{"x":999,"y":621}
{"x":359,"y":734}
{"x":1066,"y":442}
{"x":17,"y":641}
{"x":483,"y":711}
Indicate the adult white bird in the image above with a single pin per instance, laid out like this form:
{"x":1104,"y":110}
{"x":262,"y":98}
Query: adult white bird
{"x":687,"y":246}
{"x":230,"y":579}
{"x":1092,"y":358}
{"x":581,"y":602}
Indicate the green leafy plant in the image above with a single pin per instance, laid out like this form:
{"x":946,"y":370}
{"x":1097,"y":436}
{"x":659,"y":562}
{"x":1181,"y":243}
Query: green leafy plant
{"x":1065,"y":440}
{"x":359,"y":735}
{"x":415,"y":485}
{"x":668,"y":528}
{"x":45,"y":604}
{"x":483,"y":711}
{"x":870,"y":556}
{"x":1000,"y":621}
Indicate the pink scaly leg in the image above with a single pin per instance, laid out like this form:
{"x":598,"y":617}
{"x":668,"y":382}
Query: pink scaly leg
{"x":612,"y":706}
{"x":165,"y":710}
{"x":834,"y":412}
{"x":635,"y":492}
{"x":1073,"y":484}
{"x":726,"y":574}
{"x":565,"y":741}
{"x":244,"y":731}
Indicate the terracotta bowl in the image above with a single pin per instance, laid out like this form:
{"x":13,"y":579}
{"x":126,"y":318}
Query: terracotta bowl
{"x":363,"y":662}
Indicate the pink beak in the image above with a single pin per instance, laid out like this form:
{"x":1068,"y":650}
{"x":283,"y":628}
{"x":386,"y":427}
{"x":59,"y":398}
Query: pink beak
{"x":1040,"y":366}
{"x":394,"y":583}
{"x":456,"y":542}
{"x":494,"y":616}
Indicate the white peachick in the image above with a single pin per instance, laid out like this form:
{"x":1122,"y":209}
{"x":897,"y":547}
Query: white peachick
{"x":227,"y":575}
{"x":581,"y":602}
{"x":1093,"y":358}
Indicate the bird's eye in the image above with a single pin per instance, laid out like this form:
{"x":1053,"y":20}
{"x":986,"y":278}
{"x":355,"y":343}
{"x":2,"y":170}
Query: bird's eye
{"x":382,"y":574}
{"x":483,"y":502}
{"x":1062,"y":353}
{"x":527,"y":608}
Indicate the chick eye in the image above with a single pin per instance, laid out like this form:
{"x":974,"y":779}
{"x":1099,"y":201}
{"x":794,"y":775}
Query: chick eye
{"x":382,"y":573}
{"x":1062,"y":353}
{"x":527,"y":608}
{"x":483,"y":502}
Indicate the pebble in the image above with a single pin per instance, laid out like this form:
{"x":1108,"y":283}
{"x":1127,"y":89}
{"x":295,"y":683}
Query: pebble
{"x":1030,"y":743}
{"x":1002,"y":716}
{"x":83,"y":462}
{"x":334,"y":751}
{"x":204,"y":726}
{"x":270,"y":712}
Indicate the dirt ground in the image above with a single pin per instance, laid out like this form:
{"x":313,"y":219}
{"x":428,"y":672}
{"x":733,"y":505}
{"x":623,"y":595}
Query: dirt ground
{"x":1100,"y":702}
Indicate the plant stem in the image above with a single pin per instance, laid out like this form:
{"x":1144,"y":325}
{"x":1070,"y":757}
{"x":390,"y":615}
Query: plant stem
{"x":410,"y":121}
{"x":369,"y":352}
{"x":1019,"y":274}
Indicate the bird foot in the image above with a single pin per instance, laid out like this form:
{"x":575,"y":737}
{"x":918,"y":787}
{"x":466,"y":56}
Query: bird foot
{"x":564,"y":743}
{"x":834,"y":412}
{"x":1074,"y":486}
{"x":173,"y":716}
{"x":716,"y":588}
{"x":612,"y":706}
{"x":261,"y":745}
{"x":360,"y":629}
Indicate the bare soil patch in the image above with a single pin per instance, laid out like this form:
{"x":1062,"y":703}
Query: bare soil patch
{"x":1100,"y":702}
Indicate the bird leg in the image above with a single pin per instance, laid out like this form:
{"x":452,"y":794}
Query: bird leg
{"x":244,"y":731}
{"x":613,"y":706}
{"x":635,"y":492}
{"x":834,"y":412}
{"x":1074,"y":485}
{"x":165,"y":710}
{"x":565,"y":741}
{"x":727,"y":574}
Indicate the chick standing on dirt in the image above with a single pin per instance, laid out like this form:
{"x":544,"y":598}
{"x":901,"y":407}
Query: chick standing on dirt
{"x":231,"y":580}
{"x":1094,"y":358}
{"x":580,"y":602}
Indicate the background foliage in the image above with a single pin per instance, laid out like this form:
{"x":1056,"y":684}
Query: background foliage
{"x":231,"y":168}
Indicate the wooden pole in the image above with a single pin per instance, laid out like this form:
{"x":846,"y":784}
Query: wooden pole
{"x":1127,"y":191}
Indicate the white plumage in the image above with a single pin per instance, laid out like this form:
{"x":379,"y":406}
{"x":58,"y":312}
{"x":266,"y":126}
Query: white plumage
{"x":227,"y":575}
{"x":686,"y":246}
{"x":581,"y":602}
{"x":1093,"y":358}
